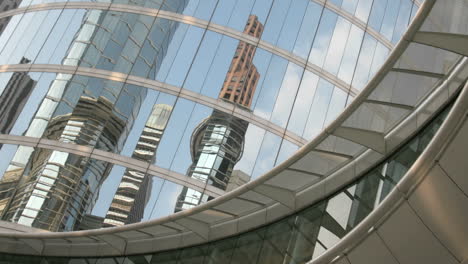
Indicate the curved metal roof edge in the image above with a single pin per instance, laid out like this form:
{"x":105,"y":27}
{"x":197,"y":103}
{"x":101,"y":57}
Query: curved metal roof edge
{"x":414,"y":177}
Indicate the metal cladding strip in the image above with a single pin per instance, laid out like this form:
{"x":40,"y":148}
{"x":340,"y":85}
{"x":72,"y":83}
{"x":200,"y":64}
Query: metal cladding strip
{"x":215,"y":28}
{"x":113,"y":158}
{"x":184,"y":231}
{"x":162,"y":87}
{"x":422,"y":181}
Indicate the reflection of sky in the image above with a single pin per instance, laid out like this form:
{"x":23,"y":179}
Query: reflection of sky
{"x":172,"y":51}
{"x":292,"y":24}
{"x":267,"y":156}
{"x":270,"y":87}
{"x":319,"y":109}
{"x":156,"y":186}
{"x":6,"y":153}
{"x":107,"y":191}
{"x":286,"y":150}
{"x":336,"y":106}
{"x":361,"y":74}
{"x":308,"y":28}
{"x":337,"y":46}
{"x":215,"y":79}
{"x":351,"y":53}
{"x":203,"y":61}
{"x":167,"y":200}
{"x":173,"y":133}
{"x":275,"y":21}
{"x":323,"y":37}
{"x":303,"y":103}
{"x":32,"y":104}
{"x":287,"y":94}
{"x":253,"y":141}
{"x":143,"y":115}
{"x":183,"y":60}
{"x":233,"y":13}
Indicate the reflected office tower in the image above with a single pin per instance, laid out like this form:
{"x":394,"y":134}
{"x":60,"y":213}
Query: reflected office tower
{"x":218,"y":141}
{"x":57,"y":190}
{"x":135,"y":187}
{"x":6,"y":5}
{"x":14,"y":97}
{"x":61,"y":182}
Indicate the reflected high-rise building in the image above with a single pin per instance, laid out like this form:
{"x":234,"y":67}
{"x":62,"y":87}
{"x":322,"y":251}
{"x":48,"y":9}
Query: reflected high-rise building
{"x":218,"y":141}
{"x":14,"y":97}
{"x":6,"y":5}
{"x":62,"y":182}
{"x":242,"y":78}
{"x":134,"y":189}
{"x":56,"y":190}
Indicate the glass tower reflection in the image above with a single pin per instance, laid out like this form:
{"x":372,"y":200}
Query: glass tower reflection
{"x":57,"y":189}
{"x":218,"y":141}
{"x":14,"y":97}
{"x":134,"y":190}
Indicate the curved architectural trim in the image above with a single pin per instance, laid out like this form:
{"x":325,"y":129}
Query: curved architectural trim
{"x":429,"y":166}
{"x":165,"y":88}
{"x":215,"y":28}
{"x":362,"y":25}
{"x":113,"y":158}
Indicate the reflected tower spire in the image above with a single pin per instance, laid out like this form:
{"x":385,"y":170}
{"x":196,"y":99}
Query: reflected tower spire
{"x":57,"y":190}
{"x":218,"y":141}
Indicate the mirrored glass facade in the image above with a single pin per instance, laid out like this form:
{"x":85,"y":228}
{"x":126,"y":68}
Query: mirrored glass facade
{"x":297,"y":238}
{"x":145,"y":108}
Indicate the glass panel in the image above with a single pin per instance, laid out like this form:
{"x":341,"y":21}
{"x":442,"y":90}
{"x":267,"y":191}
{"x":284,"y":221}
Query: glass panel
{"x":319,"y":107}
{"x":308,"y":28}
{"x":337,"y":46}
{"x":350,"y":55}
{"x":361,"y":75}
{"x":391,"y":14}
{"x":303,"y":103}
{"x":322,"y":39}
{"x":377,"y":14}
{"x":363,"y":9}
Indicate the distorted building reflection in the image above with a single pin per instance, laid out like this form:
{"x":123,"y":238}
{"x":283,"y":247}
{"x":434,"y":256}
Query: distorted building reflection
{"x":14,"y":97}
{"x":217,"y":143}
{"x":6,"y":5}
{"x":56,"y":189}
{"x":134,"y":189}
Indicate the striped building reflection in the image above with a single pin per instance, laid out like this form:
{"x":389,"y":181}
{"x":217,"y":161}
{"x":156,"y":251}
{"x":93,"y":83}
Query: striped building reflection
{"x":218,"y":141}
{"x":55,"y":189}
{"x":134,"y":189}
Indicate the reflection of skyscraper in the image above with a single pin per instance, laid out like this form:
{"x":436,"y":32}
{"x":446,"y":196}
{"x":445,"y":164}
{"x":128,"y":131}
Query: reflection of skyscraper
{"x":218,"y":142}
{"x":61,"y":181}
{"x":14,"y":97}
{"x":8,"y":185}
{"x":88,"y":111}
{"x":135,"y":187}
{"x":6,"y":5}
{"x":242,"y":77}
